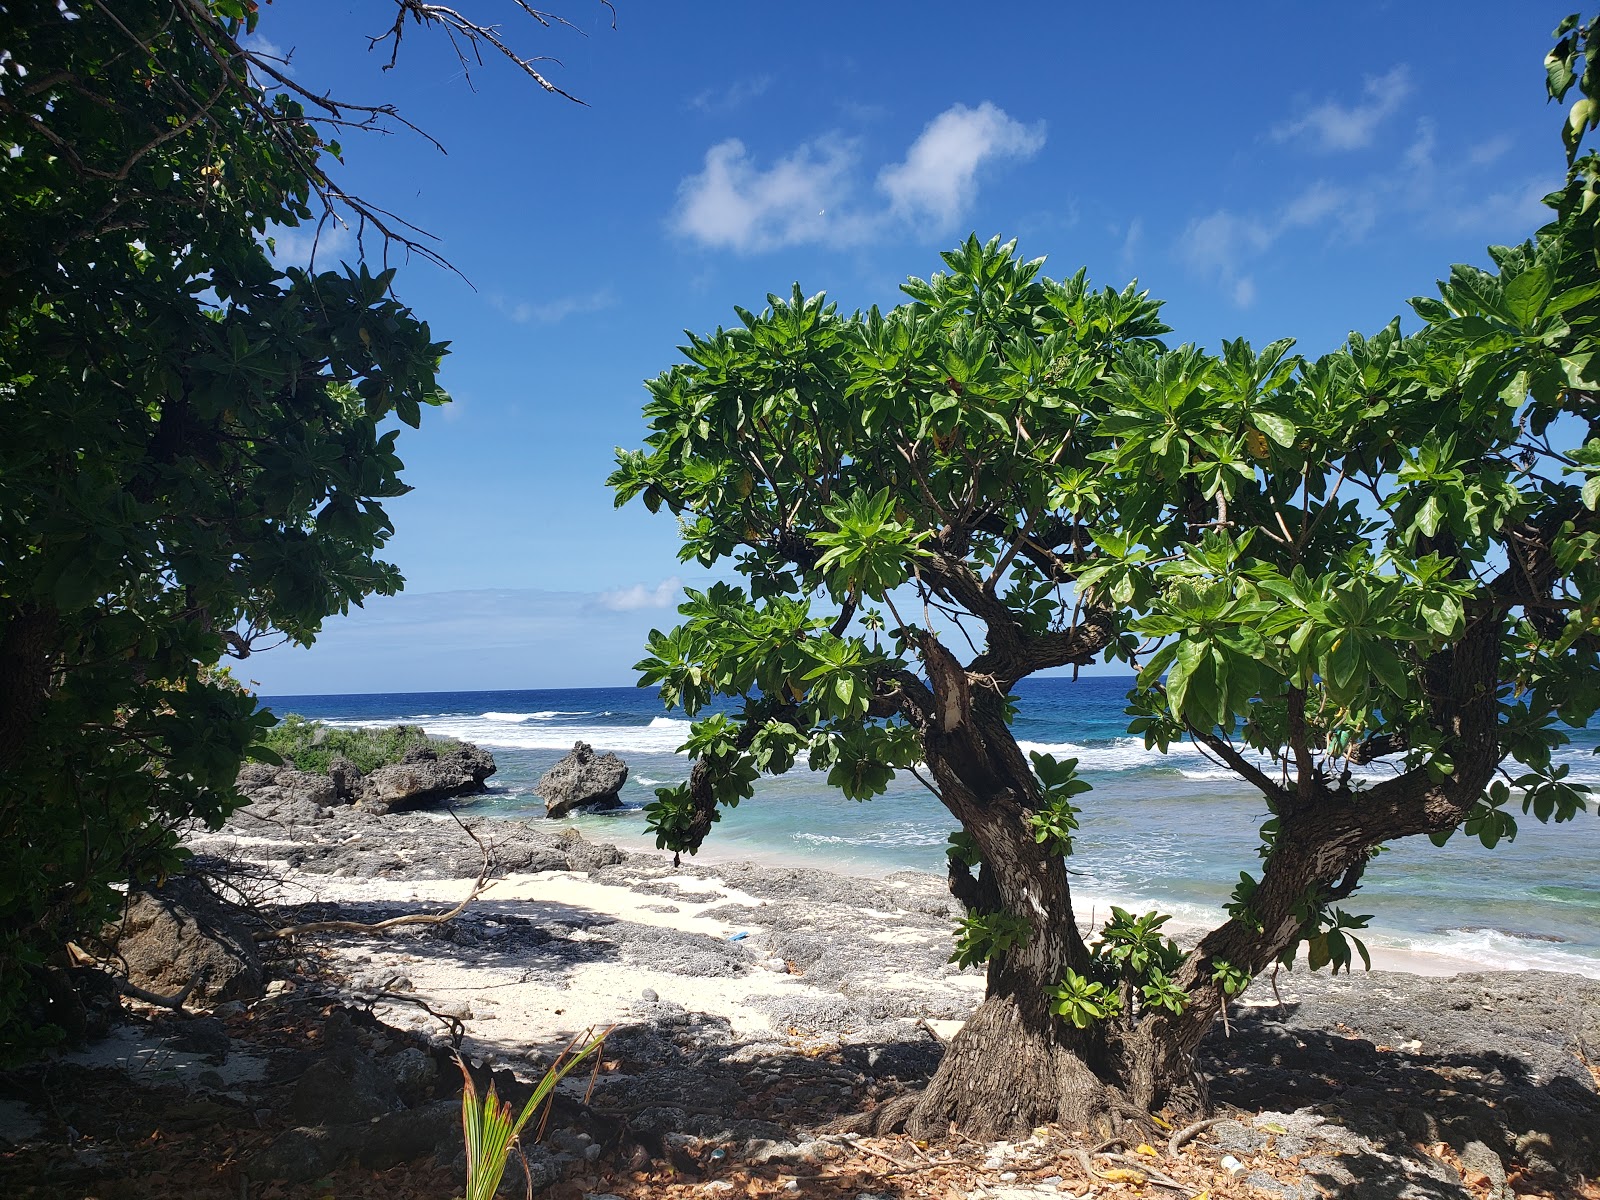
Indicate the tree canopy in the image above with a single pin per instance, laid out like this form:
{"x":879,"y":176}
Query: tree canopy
{"x":198,"y":443}
{"x":1385,"y":552}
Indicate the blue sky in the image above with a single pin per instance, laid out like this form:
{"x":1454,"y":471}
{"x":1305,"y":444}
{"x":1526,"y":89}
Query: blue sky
{"x":1270,"y":170}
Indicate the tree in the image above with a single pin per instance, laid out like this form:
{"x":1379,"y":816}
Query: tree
{"x":197,"y":444}
{"x":1313,"y":563}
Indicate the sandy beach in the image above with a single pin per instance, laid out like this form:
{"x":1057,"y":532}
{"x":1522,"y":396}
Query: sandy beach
{"x":713,"y":971}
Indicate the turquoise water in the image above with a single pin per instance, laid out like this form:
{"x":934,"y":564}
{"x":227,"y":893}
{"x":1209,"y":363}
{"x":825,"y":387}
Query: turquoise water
{"x":1157,"y":831}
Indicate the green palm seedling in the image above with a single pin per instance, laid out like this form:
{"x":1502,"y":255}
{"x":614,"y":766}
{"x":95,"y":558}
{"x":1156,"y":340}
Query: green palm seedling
{"x":490,"y":1128}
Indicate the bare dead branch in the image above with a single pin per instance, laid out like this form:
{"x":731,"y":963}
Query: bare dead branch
{"x":383,"y":927}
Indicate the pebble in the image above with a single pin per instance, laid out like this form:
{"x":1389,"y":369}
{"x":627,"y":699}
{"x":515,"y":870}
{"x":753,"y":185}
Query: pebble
{"x":649,"y":996}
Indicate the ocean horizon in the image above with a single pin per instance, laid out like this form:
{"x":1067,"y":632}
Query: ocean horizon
{"x":1170,"y":832}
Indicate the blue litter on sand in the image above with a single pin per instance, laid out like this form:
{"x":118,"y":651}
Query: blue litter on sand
{"x":740,"y":936}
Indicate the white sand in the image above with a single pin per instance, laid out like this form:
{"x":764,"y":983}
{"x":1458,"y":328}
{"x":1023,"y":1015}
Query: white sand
{"x":510,"y":1007}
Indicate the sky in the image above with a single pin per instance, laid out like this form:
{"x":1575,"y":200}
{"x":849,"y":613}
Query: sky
{"x":1269,"y":170}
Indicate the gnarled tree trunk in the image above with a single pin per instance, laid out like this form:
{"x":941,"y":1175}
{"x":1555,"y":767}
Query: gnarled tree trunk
{"x":1015,"y":1064}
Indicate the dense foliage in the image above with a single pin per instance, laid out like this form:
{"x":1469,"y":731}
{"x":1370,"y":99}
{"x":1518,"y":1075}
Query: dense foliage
{"x":312,"y":746}
{"x":194,"y":460}
{"x":1387,"y":552}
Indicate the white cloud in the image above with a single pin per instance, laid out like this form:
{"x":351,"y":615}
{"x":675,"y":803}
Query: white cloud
{"x":440,"y":641}
{"x":734,"y":204}
{"x":294,"y":247}
{"x":938,"y":180}
{"x":809,"y":195}
{"x":550,"y":311}
{"x":731,"y":98}
{"x":642,"y":595}
{"x":1334,"y":126}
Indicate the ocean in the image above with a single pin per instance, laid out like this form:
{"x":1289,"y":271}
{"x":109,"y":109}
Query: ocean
{"x":1168,"y":832}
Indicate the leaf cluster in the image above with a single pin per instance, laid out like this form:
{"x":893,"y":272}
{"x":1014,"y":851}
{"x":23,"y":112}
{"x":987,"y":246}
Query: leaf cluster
{"x":198,"y":447}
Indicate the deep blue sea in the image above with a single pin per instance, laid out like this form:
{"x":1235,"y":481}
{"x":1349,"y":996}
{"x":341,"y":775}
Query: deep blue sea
{"x":1171,"y":832}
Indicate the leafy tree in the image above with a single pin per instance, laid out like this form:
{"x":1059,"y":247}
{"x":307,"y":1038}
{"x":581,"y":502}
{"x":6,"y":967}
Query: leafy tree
{"x":1385,"y":552}
{"x":197,"y":444}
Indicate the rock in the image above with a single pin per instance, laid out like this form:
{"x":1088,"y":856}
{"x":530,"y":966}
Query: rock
{"x":584,"y":855}
{"x":425,"y":777}
{"x":407,"y":1136}
{"x":1478,"y":1159}
{"x":198,"y":1035}
{"x":582,"y":780}
{"x":299,"y":1155}
{"x":346,"y":777}
{"x":341,"y":1086}
{"x":283,"y":795}
{"x":303,"y":787}
{"x":413,"y":1073}
{"x":181,"y":931}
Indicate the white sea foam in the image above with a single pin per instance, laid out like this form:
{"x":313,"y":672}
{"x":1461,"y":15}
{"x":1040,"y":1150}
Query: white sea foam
{"x":537,"y":731}
{"x":522,"y":718}
{"x":1490,"y":950}
{"x":897,"y":833}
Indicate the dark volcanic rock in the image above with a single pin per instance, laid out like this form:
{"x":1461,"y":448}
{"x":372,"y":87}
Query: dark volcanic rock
{"x":425,"y":777}
{"x":181,"y":931}
{"x":341,"y":1087}
{"x":582,"y":780}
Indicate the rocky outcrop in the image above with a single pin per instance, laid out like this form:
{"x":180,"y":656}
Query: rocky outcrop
{"x":181,"y":931}
{"x":285,"y":795}
{"x":426,"y":776}
{"x":582,"y":779}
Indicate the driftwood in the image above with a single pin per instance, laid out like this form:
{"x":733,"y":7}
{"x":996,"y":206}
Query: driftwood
{"x":381,"y":927}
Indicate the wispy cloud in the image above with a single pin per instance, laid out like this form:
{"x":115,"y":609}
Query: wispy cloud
{"x":548,"y":312}
{"x":642,"y":595}
{"x":1131,"y":239}
{"x":1222,"y":244}
{"x":731,"y":98}
{"x":1334,"y":126}
{"x":938,"y":180}
{"x":810,"y":196}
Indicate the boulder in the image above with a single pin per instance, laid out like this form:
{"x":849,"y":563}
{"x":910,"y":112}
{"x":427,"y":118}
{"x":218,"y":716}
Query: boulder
{"x":285,"y":795}
{"x":346,"y":777}
{"x":343,"y":1086}
{"x":181,"y":930}
{"x":426,"y":776}
{"x":582,"y":779}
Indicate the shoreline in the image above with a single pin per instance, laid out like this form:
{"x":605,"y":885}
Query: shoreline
{"x":716,"y":973}
{"x":1385,"y":955}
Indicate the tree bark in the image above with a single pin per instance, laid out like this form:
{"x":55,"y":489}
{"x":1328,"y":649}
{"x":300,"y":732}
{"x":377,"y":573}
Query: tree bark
{"x":1015,"y":1064}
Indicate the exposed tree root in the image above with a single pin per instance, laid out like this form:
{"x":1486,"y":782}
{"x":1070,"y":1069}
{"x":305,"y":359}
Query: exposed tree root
{"x":133,"y":991}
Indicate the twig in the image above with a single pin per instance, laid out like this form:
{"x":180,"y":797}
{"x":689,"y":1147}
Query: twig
{"x":1189,"y":1133}
{"x":888,"y":1158}
{"x":923,"y":1021}
{"x":458,"y":1029}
